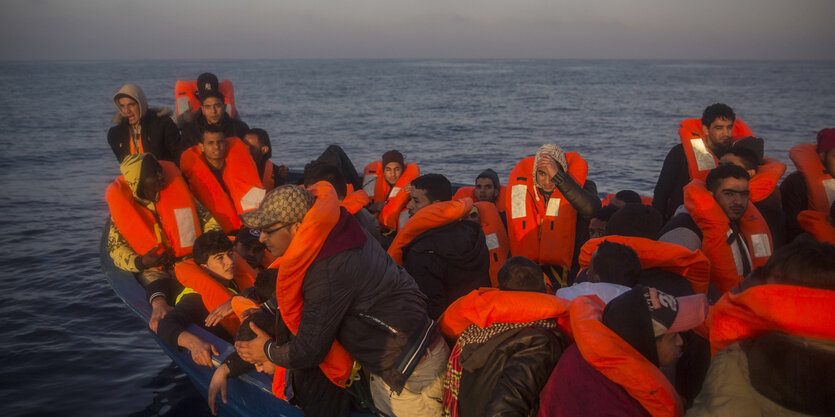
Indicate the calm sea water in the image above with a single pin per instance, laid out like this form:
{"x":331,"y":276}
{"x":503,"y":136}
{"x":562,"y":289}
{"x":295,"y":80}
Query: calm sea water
{"x":70,"y":347}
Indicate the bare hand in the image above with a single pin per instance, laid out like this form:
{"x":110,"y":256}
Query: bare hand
{"x":407,"y":188}
{"x":151,"y":260}
{"x":159,"y":308}
{"x":218,"y":385}
{"x":283,"y":172}
{"x":549,"y":165}
{"x":252,"y":351}
{"x":201,"y":352}
{"x":247,"y":312}
{"x":377,"y":207}
{"x":221,"y":312}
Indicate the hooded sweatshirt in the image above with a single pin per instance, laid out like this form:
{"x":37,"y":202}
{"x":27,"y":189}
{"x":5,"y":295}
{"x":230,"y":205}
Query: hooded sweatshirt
{"x":155,"y":133}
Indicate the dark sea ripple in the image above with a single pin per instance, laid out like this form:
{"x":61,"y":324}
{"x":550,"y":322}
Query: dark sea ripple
{"x":70,"y":347}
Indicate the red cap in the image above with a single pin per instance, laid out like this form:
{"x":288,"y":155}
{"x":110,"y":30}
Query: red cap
{"x":826,"y":140}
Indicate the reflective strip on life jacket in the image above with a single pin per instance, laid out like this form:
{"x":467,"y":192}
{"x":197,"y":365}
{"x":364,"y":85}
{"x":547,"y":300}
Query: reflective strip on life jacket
{"x":212,"y":292}
{"x":692,"y":265}
{"x":763,"y":183}
{"x":618,"y":361}
{"x":726,"y":264}
{"x":816,"y":224}
{"x":820,"y":185}
{"x":486,"y":306}
{"x":175,"y":209}
{"x":470,"y":192}
{"x":795,"y":310}
{"x":700,"y":159}
{"x":495,"y":235}
{"x":427,"y":218}
{"x":240,"y":177}
{"x":185,"y":93}
{"x":542,"y":234}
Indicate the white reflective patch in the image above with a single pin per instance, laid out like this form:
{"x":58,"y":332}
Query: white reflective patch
{"x":762,"y":247}
{"x":704,"y":159}
{"x":252,"y":199}
{"x":182,"y":106}
{"x":185,"y":226}
{"x":229,"y":109}
{"x":394,"y":192}
{"x":369,"y":182}
{"x":517,"y":201}
{"x":736,"y":253}
{"x":829,"y":187}
{"x":404,"y":217}
{"x":553,"y":208}
{"x":492,"y":241}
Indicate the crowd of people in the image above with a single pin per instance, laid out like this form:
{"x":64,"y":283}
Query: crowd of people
{"x":394,"y":293}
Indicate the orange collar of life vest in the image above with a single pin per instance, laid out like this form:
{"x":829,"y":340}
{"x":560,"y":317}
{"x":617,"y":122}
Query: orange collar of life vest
{"x":486,"y":306}
{"x":429,"y":217}
{"x":355,"y":201}
{"x":817,"y":224}
{"x":763,"y":183}
{"x":795,"y":310}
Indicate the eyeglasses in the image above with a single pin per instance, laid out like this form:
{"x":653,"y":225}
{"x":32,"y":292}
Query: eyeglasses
{"x":269,"y":232}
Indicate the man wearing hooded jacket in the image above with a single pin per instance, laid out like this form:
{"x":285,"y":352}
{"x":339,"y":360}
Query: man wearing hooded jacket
{"x":141,"y":129}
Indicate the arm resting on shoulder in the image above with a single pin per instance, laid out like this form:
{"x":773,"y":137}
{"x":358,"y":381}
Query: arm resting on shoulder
{"x":583,"y":199}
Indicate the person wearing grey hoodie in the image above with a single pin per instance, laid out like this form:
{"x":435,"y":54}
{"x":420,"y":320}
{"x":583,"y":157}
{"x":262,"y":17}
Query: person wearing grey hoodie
{"x":141,"y":129}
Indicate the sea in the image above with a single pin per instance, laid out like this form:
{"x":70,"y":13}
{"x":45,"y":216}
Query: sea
{"x":70,"y":347}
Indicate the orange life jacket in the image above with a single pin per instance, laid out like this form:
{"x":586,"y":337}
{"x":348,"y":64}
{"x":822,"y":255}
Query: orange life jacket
{"x":726,"y":267}
{"x":795,"y":310}
{"x":267,"y":179}
{"x":176,"y":212}
{"x":495,"y":236}
{"x":375,"y":185}
{"x":700,"y":159}
{"x":240,"y":177}
{"x":470,"y":192}
{"x":763,"y":183}
{"x":647,"y":201}
{"x":133,"y":149}
{"x":486,"y":306}
{"x":292,"y":267}
{"x":429,"y":217}
{"x":820,"y":185}
{"x":355,"y":201}
{"x":816,"y":224}
{"x":542,"y":234}
{"x":213,"y":293}
{"x":185,"y":94}
{"x":692,"y":265}
{"x":618,"y":361}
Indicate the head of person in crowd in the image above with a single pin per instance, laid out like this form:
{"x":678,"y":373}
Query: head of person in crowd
{"x":264,"y":321}
{"x":547,"y":152}
{"x":597,"y":225}
{"x":318,"y":170}
{"x":248,"y":245}
{"x":614,"y":263}
{"x":212,"y":103}
{"x":213,"y":252}
{"x":279,"y":216}
{"x":487,"y":186}
{"x":636,"y":220}
{"x":729,"y":186}
{"x":741,"y":156}
{"x":805,"y":262}
{"x":650,"y":321}
{"x":259,"y":144}
{"x":717,"y":126}
{"x":144,"y":176}
{"x":214,"y":145}
{"x":428,"y":189}
{"x":393,"y":166}
{"x":131,"y":103}
{"x":826,"y":149}
{"x":519,"y":273}
{"x":624,"y":197}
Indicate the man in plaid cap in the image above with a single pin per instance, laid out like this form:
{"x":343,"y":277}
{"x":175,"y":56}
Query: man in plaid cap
{"x":337,"y":289}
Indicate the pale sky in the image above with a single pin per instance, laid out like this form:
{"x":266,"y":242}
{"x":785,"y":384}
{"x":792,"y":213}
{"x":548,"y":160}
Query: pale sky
{"x":560,"y":29}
